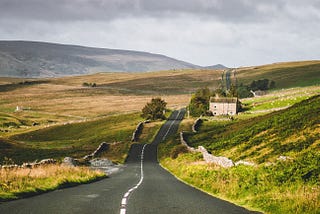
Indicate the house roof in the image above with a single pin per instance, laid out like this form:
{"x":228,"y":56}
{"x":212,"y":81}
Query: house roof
{"x":223,"y":99}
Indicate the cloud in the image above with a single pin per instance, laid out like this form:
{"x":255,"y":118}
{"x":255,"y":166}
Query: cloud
{"x":233,"y":32}
{"x":66,"y":10}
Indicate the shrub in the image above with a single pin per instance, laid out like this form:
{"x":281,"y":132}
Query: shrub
{"x":180,"y":149}
{"x":155,"y":109}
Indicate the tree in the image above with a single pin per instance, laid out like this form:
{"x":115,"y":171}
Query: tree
{"x":262,"y":85}
{"x":154,"y":110}
{"x":243,"y":91}
{"x":272,"y":85}
{"x":199,"y":103}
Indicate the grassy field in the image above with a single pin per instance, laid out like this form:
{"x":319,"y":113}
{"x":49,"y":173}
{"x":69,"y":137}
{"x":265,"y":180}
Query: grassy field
{"x":18,"y":183}
{"x":272,"y":185}
{"x":279,"y":99}
{"x":50,"y":106}
{"x":264,"y":138}
{"x":75,"y":139}
{"x":60,"y":117}
{"x":286,"y":75}
{"x":56,"y":101}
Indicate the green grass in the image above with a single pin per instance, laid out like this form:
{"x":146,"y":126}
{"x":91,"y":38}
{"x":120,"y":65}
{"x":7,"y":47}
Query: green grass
{"x":248,"y":137}
{"x":150,"y":131}
{"x":264,"y":138}
{"x":279,"y":99}
{"x":272,"y":186}
{"x":77,"y":139}
{"x":286,"y":75}
{"x":279,"y":188}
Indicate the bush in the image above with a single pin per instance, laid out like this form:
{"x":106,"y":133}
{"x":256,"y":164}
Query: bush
{"x":85,"y":84}
{"x":154,"y":110}
{"x":199,"y":103}
{"x":180,"y":149}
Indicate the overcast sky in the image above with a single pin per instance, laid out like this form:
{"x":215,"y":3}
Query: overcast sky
{"x":204,"y":32}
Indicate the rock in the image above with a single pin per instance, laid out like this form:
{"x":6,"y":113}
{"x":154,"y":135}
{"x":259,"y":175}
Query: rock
{"x":102,"y":147}
{"x":220,"y":161}
{"x":88,"y":157}
{"x":283,"y":158}
{"x":100,"y":162}
{"x":105,"y":165}
{"x":246,"y":163}
{"x":27,"y":165}
{"x":12,"y":166}
{"x":47,"y":161}
{"x":68,"y":161}
{"x":209,"y":158}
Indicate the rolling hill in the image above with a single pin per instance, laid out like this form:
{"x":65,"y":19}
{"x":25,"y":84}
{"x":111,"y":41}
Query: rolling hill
{"x":39,"y":59}
{"x":279,"y":151}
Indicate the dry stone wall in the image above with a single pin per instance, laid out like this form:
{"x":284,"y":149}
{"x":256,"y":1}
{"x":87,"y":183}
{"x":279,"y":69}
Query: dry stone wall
{"x":209,"y":158}
{"x":138,"y":130}
{"x":102,"y":147}
{"x":196,"y":125}
{"x":30,"y":165}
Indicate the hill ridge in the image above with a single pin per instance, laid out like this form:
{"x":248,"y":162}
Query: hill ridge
{"x":44,"y":59}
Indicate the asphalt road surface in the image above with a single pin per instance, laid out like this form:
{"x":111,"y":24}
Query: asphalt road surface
{"x":143,"y":186}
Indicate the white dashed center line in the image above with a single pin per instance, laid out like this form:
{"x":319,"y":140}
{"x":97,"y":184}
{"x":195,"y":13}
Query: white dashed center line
{"x":164,"y":137}
{"x":124,"y":200}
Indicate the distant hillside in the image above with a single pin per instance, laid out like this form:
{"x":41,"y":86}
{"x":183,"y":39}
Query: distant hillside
{"x":216,"y":67}
{"x":39,"y":59}
{"x":285,"y":74}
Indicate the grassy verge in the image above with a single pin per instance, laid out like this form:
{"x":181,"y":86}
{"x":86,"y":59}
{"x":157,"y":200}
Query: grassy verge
{"x":150,"y":131}
{"x":265,"y":188}
{"x":76,"y":139}
{"x":18,"y":183}
{"x":272,"y":185}
{"x":117,"y":152}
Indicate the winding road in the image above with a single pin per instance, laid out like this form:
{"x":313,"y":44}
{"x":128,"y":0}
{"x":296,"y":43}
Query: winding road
{"x":143,"y":186}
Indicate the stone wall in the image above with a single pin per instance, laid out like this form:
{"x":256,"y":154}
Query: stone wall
{"x":184,"y":142}
{"x":196,"y":125}
{"x":138,"y":131}
{"x":102,"y":147}
{"x":209,"y":158}
{"x":30,"y":165}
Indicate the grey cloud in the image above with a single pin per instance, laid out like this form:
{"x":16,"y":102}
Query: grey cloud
{"x":66,"y":10}
{"x":232,"y":32}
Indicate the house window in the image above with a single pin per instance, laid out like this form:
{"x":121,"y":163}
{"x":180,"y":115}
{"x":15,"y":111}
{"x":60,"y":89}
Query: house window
{"x":215,"y":106}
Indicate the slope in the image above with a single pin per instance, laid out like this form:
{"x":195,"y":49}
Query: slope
{"x":284,"y":147}
{"x":290,"y":132}
{"x":286,"y":74}
{"x":39,"y":59}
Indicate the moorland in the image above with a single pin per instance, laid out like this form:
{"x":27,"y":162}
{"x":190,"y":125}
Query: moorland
{"x":70,"y":116}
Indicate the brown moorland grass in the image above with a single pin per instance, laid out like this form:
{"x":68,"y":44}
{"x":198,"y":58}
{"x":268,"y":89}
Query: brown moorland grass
{"x":20,"y":182}
{"x":47,"y":102}
{"x":65,"y":99}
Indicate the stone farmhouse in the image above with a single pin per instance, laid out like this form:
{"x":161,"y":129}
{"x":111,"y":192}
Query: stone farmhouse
{"x":224,"y":105}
